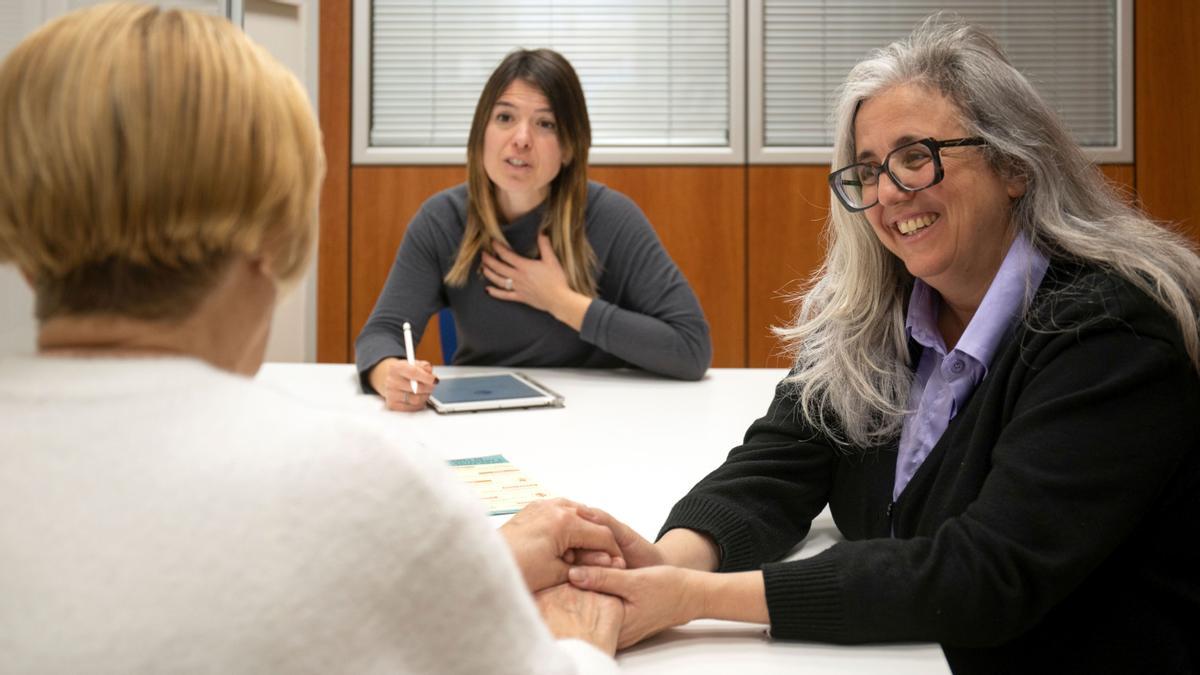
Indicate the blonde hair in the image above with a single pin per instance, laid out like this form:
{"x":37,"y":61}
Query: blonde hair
{"x":852,"y":374}
{"x":563,"y":222}
{"x":142,"y":149}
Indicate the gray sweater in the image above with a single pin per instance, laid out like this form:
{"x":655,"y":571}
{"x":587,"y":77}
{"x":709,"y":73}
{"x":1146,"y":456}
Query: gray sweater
{"x":645,"y":314}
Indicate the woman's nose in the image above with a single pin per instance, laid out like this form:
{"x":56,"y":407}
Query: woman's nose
{"x":890,"y":192}
{"x":521,"y":135}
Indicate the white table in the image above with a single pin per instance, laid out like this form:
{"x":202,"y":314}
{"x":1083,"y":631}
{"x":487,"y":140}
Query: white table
{"x":632,"y":444}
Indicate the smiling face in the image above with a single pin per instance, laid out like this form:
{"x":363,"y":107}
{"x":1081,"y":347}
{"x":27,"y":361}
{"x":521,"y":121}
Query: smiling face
{"x":521,"y":153}
{"x":953,"y":235}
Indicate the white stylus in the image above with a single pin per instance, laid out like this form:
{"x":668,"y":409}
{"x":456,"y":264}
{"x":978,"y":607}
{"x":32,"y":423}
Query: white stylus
{"x":408,"y":350}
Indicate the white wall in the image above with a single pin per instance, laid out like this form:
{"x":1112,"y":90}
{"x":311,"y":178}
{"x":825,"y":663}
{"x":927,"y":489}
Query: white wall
{"x":17,"y":327}
{"x":288,"y":29}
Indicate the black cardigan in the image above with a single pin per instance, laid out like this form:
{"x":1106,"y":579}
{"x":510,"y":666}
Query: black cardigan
{"x":1054,"y":526}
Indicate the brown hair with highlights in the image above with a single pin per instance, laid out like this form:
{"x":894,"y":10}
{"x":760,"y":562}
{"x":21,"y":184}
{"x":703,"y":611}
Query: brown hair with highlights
{"x":563,"y":221}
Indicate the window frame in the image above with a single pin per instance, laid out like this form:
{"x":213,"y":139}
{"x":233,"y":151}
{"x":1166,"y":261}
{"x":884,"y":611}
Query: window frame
{"x":232,"y":10}
{"x":1122,"y":152}
{"x":362,"y":153}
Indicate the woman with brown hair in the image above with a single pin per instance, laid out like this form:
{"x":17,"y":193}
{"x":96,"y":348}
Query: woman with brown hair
{"x":539,"y":266}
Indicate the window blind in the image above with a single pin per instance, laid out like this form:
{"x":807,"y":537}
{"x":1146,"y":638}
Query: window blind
{"x":1067,"y":49}
{"x":655,"y":72}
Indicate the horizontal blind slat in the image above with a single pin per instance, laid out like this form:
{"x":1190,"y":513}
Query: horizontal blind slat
{"x":1067,"y":49}
{"x":655,"y":72}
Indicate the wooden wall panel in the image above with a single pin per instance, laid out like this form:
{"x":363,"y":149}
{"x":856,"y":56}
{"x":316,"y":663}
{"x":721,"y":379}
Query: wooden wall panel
{"x":704,"y":235}
{"x":333,"y":263}
{"x":1167,"y":82}
{"x":1122,"y":176}
{"x":788,"y":206}
{"x":699,"y":214}
{"x":385,"y":199}
{"x":743,"y":235}
{"x":787,"y":210}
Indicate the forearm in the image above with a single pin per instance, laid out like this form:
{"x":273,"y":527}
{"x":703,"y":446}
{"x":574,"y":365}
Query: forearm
{"x":690,"y":549}
{"x":570,"y":308}
{"x":738,"y":596}
{"x":678,"y":348}
{"x":377,"y":376}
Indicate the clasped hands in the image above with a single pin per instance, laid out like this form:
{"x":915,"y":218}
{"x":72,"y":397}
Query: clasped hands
{"x":595,"y":579}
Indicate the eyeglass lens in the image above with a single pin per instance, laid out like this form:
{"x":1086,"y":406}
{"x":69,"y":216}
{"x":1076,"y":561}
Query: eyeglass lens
{"x":911,"y":166}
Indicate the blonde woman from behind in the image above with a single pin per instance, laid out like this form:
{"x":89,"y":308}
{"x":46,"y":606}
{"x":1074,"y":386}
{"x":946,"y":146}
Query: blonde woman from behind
{"x":162,"y":512}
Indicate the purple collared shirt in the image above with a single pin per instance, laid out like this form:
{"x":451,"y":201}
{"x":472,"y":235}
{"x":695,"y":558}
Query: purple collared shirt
{"x":944,"y":381}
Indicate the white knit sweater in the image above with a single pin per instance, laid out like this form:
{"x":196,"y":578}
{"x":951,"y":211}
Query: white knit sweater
{"x":161,"y":516}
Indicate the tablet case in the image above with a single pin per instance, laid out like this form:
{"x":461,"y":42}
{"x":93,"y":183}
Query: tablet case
{"x":493,"y":391}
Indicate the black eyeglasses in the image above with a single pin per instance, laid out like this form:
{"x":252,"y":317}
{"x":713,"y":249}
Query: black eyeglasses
{"x":912,"y":167}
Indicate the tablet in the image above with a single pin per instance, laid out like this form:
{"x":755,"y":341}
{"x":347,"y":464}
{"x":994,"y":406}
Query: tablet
{"x":491,"y":391}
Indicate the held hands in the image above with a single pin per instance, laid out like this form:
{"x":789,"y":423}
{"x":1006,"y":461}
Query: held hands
{"x":572,"y":613}
{"x":393,"y":378}
{"x":655,"y":587}
{"x":654,"y":598}
{"x":636,"y":551}
{"x":539,"y":283}
{"x":548,"y":536}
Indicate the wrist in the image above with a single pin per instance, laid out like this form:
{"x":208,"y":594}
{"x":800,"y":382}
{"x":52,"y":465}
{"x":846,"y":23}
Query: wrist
{"x":378,"y":375}
{"x":570,"y":307}
{"x":699,"y":594}
{"x":691,"y":549}
{"x":738,"y":596}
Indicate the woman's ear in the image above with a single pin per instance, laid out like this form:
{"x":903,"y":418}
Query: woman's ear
{"x":261,"y":264}
{"x":1016,"y":185}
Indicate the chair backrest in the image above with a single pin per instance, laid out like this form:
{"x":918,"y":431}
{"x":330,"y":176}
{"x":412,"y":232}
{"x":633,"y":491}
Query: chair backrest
{"x":447,"y":335}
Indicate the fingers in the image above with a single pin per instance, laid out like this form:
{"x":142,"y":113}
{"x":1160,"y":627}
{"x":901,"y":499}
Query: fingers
{"x":398,"y":389}
{"x":546,"y":248}
{"x":403,"y":400}
{"x":579,"y":533}
{"x":572,"y":613}
{"x":601,"y":580}
{"x":501,"y":286}
{"x":559,"y":518}
{"x":635,"y":549}
{"x":502,"y":263}
{"x":593,"y":558}
{"x":505,"y":255}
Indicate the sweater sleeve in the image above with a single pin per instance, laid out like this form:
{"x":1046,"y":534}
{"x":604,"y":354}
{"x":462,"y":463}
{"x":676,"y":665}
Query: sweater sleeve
{"x":652,"y":318}
{"x":1098,"y":426}
{"x":413,"y":293}
{"x":760,"y":503}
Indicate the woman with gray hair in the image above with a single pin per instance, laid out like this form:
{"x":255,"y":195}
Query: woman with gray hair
{"x":995,"y":392}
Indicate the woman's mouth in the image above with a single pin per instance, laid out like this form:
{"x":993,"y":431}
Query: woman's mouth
{"x":909,"y":225}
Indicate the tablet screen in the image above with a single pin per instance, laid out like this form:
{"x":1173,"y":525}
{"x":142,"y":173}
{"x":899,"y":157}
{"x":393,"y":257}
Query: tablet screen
{"x":483,"y":388}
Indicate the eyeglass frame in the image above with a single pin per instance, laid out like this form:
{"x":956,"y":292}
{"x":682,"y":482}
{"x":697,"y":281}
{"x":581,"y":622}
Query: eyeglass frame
{"x":939,"y":172}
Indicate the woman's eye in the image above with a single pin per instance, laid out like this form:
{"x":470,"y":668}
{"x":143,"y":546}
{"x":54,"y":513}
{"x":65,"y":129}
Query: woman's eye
{"x":503,"y":117}
{"x":548,"y":124}
{"x":914,"y":158}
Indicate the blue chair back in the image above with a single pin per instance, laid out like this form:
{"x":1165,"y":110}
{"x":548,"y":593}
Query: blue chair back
{"x":447,"y":335}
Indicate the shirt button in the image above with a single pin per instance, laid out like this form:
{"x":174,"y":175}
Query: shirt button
{"x":957,"y":366}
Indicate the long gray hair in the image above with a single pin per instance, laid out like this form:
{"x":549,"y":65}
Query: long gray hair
{"x":851,"y":370}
